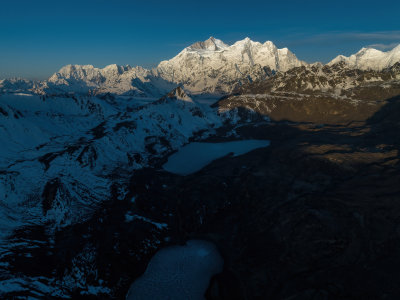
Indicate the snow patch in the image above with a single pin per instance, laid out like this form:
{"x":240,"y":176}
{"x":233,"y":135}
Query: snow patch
{"x":178,"y":272}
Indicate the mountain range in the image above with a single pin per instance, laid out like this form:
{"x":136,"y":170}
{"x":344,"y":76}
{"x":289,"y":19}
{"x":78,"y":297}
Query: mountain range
{"x":370,"y":59}
{"x":85,"y":201}
{"x":209,"y":67}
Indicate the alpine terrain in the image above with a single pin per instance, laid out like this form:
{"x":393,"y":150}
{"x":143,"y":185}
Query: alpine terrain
{"x":312,"y":212}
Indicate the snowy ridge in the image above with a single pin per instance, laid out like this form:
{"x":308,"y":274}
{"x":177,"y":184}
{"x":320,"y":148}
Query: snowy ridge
{"x":63,"y":157}
{"x":214,"y":67}
{"x":211,"y":44}
{"x":370,"y":58}
{"x":205,"y":67}
{"x":16,"y":85}
{"x":60,"y":156}
{"x":113,"y":79}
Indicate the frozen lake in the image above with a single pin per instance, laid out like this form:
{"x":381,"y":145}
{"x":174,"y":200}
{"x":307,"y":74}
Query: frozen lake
{"x":178,"y":273}
{"x":196,"y":156}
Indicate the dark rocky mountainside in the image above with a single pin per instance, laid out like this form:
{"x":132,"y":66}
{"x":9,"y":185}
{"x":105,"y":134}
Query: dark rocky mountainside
{"x":324,"y":94}
{"x":313,"y":216}
{"x":336,"y":79}
{"x":316,"y":214}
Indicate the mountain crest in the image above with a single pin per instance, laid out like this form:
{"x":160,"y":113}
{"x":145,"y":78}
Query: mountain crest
{"x":210,"y":66}
{"x":212,"y":44}
{"x":370,"y":58}
{"x":214,"y":67}
{"x":179,"y":94}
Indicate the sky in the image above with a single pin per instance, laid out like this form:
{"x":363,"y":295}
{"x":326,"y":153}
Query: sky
{"x":38,"y":37}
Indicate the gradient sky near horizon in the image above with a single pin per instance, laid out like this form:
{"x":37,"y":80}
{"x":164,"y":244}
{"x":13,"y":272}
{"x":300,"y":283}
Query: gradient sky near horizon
{"x":38,"y":37}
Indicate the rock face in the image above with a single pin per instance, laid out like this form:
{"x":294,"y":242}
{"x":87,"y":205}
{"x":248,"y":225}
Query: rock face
{"x":214,"y":67}
{"x":322,"y":94}
{"x":370,"y":59}
{"x":178,"y":94}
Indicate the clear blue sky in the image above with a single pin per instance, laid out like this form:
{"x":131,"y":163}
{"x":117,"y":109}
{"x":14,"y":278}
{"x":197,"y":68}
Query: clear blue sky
{"x":37,"y":37}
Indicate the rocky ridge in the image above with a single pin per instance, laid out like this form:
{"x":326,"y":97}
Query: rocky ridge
{"x":324,"y":94}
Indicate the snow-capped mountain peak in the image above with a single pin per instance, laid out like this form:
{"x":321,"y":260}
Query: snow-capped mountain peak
{"x":16,"y":85}
{"x":209,"y":66}
{"x":115,"y":69}
{"x":89,"y":72}
{"x":76,"y":72}
{"x":245,"y":42}
{"x":212,"y":44}
{"x":214,"y":67}
{"x":370,"y":58}
{"x":115,"y":79}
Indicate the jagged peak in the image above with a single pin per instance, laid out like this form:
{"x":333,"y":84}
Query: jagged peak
{"x":179,"y":94}
{"x":317,"y":64}
{"x":284,"y":50}
{"x":212,"y":44}
{"x":75,"y":66}
{"x":245,"y":41}
{"x":70,"y":69}
{"x":78,"y":71}
{"x":370,"y":58}
{"x":269,"y":43}
{"x":115,"y":69}
{"x":112,"y":67}
{"x":373,"y":50}
{"x":368,"y":50}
